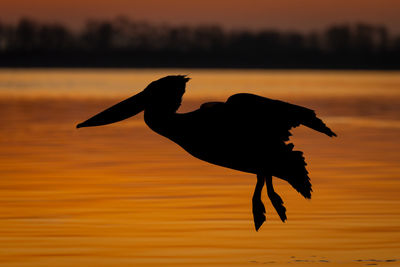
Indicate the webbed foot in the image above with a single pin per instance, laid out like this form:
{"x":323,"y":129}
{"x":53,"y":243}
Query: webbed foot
{"x":258,"y":213}
{"x":277,"y":202}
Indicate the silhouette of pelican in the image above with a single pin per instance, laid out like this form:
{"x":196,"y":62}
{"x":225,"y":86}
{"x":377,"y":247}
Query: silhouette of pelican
{"x":245,"y":133}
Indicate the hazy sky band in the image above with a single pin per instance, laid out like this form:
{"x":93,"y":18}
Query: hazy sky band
{"x":254,"y":14}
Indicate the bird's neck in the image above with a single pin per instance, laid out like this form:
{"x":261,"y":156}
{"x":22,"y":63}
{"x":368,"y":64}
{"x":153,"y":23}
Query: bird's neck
{"x":161,"y":121}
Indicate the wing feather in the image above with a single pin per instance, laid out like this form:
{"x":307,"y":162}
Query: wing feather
{"x":282,"y":116}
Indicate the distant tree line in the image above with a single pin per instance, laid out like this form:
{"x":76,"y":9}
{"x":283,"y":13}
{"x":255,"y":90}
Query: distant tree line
{"x":125,"y":43}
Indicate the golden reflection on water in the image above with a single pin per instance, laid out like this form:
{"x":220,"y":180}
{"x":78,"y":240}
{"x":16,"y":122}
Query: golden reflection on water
{"x":121,"y":195}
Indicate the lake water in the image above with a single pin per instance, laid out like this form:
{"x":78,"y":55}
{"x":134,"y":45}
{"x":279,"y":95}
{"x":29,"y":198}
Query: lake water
{"x":120,"y":195}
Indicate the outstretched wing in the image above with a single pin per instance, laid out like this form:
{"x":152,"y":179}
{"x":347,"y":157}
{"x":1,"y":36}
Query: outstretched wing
{"x":280,"y":116}
{"x":275,"y":118}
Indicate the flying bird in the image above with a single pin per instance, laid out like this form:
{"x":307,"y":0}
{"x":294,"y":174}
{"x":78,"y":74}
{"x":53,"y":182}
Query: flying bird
{"x":248,"y":133}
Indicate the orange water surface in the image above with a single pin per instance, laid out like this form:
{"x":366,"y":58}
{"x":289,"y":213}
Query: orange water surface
{"x":120,"y":195}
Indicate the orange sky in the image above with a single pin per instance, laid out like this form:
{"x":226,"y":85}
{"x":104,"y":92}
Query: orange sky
{"x":283,"y":14}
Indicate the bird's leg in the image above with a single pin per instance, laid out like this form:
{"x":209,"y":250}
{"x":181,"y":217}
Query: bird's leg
{"x":276,"y":200}
{"x":258,"y":206}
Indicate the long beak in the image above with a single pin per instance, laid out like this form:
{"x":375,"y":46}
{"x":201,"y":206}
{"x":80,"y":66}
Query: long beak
{"x":121,"y":111}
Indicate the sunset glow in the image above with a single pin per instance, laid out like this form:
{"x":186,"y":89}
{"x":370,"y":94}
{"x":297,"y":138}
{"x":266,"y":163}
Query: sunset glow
{"x":121,"y":195}
{"x":284,"y":15}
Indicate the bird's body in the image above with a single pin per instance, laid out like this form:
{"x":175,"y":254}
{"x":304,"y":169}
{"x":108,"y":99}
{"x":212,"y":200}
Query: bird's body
{"x":246,"y":133}
{"x":209,"y":134}
{"x":214,"y":133}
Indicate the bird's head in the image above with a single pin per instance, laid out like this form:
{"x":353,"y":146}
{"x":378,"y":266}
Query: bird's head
{"x":164,"y":95}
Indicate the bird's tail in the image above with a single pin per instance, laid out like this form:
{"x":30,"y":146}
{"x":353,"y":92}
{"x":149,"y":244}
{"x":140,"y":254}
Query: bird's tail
{"x":295,"y":172}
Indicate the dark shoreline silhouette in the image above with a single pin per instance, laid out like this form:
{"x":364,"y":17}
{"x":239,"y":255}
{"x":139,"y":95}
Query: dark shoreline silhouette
{"x":122,"y":43}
